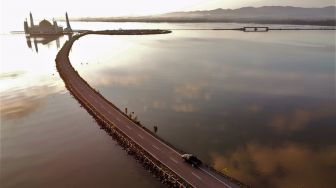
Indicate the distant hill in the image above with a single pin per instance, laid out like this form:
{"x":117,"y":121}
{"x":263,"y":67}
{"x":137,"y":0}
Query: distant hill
{"x":266,"y":12}
{"x":262,"y":15}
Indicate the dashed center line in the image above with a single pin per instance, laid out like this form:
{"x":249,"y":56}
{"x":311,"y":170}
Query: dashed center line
{"x":175,"y":161}
{"x":156,"y":147}
{"x":196,"y":176}
{"x":140,"y":136}
{"x":216,"y":178}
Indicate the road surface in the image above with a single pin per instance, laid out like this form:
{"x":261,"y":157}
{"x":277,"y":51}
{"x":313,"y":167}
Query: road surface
{"x":197,"y":177}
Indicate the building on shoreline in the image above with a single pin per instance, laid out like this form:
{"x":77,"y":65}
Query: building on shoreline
{"x":46,"y":28}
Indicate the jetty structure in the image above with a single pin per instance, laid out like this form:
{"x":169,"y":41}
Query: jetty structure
{"x":157,"y":156}
{"x":45,"y":28}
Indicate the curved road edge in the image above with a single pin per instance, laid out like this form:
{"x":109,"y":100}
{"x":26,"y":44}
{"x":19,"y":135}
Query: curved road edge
{"x":71,"y":79}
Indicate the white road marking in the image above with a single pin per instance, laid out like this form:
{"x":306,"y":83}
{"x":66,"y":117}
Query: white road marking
{"x":129,"y":127}
{"x":175,"y":161}
{"x":196,"y":176}
{"x":216,"y":178}
{"x":154,"y":155}
{"x":156,"y":147}
{"x":118,"y":119}
{"x":154,"y":137}
{"x":93,"y":107}
{"x":140,"y":136}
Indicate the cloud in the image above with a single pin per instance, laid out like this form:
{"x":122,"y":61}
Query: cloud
{"x":300,"y":3}
{"x":186,"y":94}
{"x":295,"y":121}
{"x":18,"y":103}
{"x":19,"y":107}
{"x":117,"y":79}
{"x":290,"y":165}
{"x":187,"y":108}
{"x":192,"y":91}
{"x":254,"y":108}
{"x":11,"y":75}
{"x":298,"y":119}
{"x":159,"y":104}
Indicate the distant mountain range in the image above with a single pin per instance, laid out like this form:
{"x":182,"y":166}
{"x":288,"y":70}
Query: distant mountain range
{"x":266,"y":14}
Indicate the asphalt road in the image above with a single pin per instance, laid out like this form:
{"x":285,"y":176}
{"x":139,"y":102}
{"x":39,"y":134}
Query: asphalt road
{"x":197,"y":177}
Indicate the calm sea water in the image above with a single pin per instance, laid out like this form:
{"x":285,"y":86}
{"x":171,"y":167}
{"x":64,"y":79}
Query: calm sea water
{"x":260,"y":107}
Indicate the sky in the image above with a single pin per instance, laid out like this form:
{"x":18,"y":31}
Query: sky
{"x":13,"y":12}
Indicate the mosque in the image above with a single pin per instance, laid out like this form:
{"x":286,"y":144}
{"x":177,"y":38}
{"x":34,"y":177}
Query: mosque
{"x":46,"y":28}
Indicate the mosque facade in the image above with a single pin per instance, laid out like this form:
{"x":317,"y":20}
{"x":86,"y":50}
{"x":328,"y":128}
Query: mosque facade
{"x":46,"y":28}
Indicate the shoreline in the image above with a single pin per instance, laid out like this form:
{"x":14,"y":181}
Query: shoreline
{"x":325,"y":23}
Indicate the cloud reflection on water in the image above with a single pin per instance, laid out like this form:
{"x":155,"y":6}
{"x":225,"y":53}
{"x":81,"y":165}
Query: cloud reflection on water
{"x":117,"y":79}
{"x":26,"y":79}
{"x":19,"y":107}
{"x":298,"y":119}
{"x":185,"y":108}
{"x":289,"y":165}
{"x":18,"y":103}
{"x":233,"y":97}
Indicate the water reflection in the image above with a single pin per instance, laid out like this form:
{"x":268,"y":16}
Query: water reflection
{"x":44,"y":132}
{"x":28,"y":78}
{"x":238,"y":103}
{"x":288,"y":165}
{"x":298,"y":119}
{"x":20,"y":103}
{"x":44,"y":40}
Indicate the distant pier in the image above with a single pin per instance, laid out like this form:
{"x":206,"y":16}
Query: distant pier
{"x":255,"y":29}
